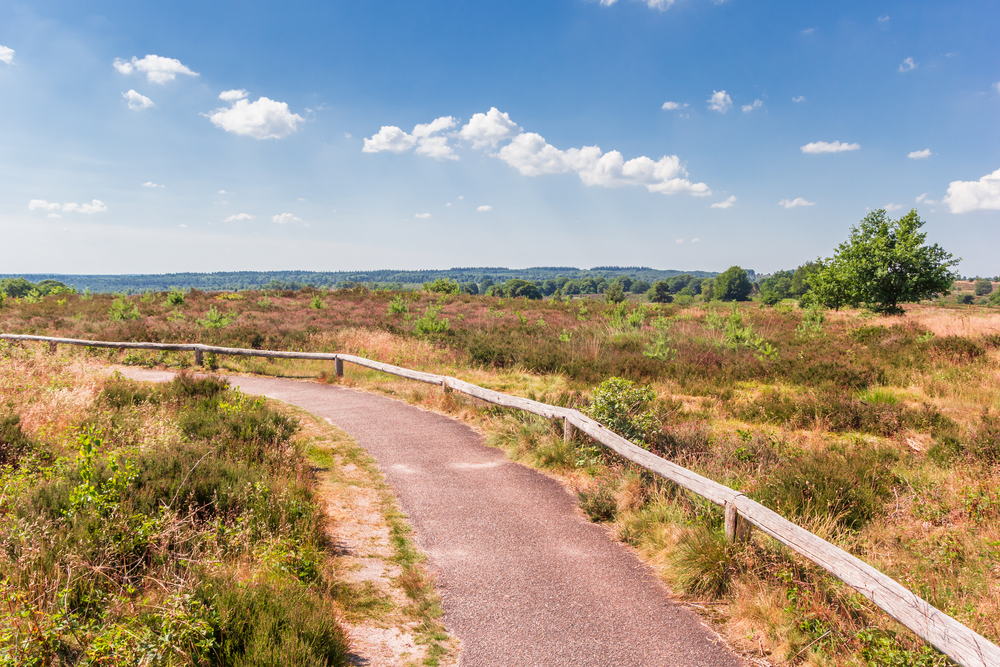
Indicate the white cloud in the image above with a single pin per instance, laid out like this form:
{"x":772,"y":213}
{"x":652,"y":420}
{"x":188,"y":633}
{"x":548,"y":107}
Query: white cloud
{"x":53,"y":215}
{"x":883,"y":19}
{"x":808,"y":31}
{"x":720,"y":101}
{"x":673,"y":106}
{"x":95,"y":206}
{"x":182,"y":226}
{"x":300,"y":198}
{"x":747,"y":108}
{"x":157,"y":68}
{"x":285,"y":218}
{"x":232,"y":95}
{"x":908,"y":65}
{"x":484,"y":209}
{"x":679,"y":241}
{"x":652,"y":4}
{"x":461,"y":196}
{"x":725,"y":203}
{"x":798,"y":201}
{"x":695,"y":240}
{"x":530,"y":154}
{"x":223,"y":192}
{"x":799,"y":98}
{"x":923,"y":198}
{"x":488,"y":129}
{"x":448,"y":205}
{"x":6,"y":54}
{"x":425,"y":139}
{"x":151,"y":184}
{"x":981,"y":195}
{"x":347,"y":135}
{"x":247,"y":216}
{"x":997,"y":86}
{"x":828,"y":147}
{"x":137,"y":102}
{"x":920,"y":155}
{"x":263,"y":119}
{"x":422,"y":215}
{"x":890,"y":207}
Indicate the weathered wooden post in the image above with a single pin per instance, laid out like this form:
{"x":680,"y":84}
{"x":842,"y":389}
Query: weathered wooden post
{"x":338,"y":367}
{"x":567,"y":430}
{"x":737,"y":528}
{"x":199,"y":358}
{"x":52,"y":346}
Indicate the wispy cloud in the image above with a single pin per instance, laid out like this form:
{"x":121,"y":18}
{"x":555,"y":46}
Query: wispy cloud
{"x":247,"y":216}
{"x":285,"y":218}
{"x":263,"y":119}
{"x":725,"y":203}
{"x":157,"y":69}
{"x":679,"y":241}
{"x":6,"y":55}
{"x":908,"y":65}
{"x":484,"y":209}
{"x":808,"y":31}
{"x":883,"y":19}
{"x":151,"y":184}
{"x":793,"y":203}
{"x":828,"y":147}
{"x":890,"y":207}
{"x":422,"y":215}
{"x":923,"y":199}
{"x":137,"y":102}
{"x":920,"y":155}
{"x":720,"y":101}
{"x":747,"y":108}
{"x":969,"y":196}
{"x":95,"y":206}
{"x":673,"y":106}
{"x":799,"y":98}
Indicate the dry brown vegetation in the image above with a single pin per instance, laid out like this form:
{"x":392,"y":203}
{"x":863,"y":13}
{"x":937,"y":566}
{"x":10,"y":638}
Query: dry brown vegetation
{"x":879,"y":434}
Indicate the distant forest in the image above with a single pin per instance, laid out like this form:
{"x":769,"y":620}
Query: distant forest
{"x":255,"y":280}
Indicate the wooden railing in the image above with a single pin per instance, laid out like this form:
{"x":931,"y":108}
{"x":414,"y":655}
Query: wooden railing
{"x":937,"y":628}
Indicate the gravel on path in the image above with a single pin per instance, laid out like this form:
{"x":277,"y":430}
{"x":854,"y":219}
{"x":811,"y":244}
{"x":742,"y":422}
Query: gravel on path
{"x":525,"y":579}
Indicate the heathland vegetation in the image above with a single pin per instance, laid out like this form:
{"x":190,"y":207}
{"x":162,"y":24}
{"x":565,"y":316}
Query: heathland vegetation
{"x":879,"y":433}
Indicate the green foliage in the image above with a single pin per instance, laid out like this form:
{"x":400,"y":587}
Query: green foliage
{"x":660,"y":292}
{"x":776,"y":287}
{"x":598,"y":502}
{"x":623,"y":407}
{"x":812,"y":322}
{"x":430,"y":323}
{"x":659,"y":346}
{"x":800,"y":279}
{"x":615,"y":293}
{"x":732,"y":285}
{"x":123,"y":310}
{"x":881,"y":648}
{"x":708,"y":289}
{"x":882,"y":264}
{"x":517,"y":288}
{"x":215,"y":320}
{"x":316,"y":303}
{"x":983,"y":287}
{"x":705,"y":563}
{"x":398,"y":306}
{"x":20,"y":288}
{"x":14,"y":444}
{"x":443,"y":286}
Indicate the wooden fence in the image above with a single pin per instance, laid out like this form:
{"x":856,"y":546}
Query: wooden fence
{"x":958,"y":642}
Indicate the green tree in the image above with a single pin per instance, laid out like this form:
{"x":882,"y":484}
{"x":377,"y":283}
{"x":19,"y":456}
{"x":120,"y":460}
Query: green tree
{"x":776,"y":287}
{"x":615,"y":292}
{"x":660,"y":292}
{"x":639,"y":287}
{"x":800,"y":279}
{"x":983,"y":287}
{"x":16,"y":287}
{"x":733,"y":285}
{"x":444,"y":286}
{"x":708,"y":289}
{"x":885,"y":263}
{"x":516,"y":287}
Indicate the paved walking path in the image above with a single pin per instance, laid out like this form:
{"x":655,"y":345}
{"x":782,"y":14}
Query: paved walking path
{"x":525,"y":580}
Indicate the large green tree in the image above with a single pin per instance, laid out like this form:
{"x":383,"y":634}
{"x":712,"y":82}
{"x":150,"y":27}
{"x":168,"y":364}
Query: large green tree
{"x":883,"y":264}
{"x":733,"y":285}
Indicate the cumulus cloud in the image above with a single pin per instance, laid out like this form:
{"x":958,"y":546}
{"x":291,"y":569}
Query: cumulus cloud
{"x":720,"y":101}
{"x":747,"y":108}
{"x":908,"y":65}
{"x":422,"y":215}
{"x":137,"y":102}
{"x":426,"y":139}
{"x":95,"y":206}
{"x":799,"y":98}
{"x":488,"y":129}
{"x":157,"y":68}
{"x":263,"y":119}
{"x":890,"y":207}
{"x":828,"y":147}
{"x":6,"y":54}
{"x":981,"y":195}
{"x":247,"y":216}
{"x":484,"y":209}
{"x":919,"y":155}
{"x":151,"y":184}
{"x":725,"y":203}
{"x":673,"y":106}
{"x":798,"y":201}
{"x":284,"y":218}
{"x":232,"y":95}
{"x":530,"y":154}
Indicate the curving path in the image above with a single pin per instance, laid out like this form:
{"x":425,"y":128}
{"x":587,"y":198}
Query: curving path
{"x":524,"y":578}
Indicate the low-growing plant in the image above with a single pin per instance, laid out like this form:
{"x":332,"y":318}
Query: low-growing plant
{"x":431,"y":323}
{"x":215,"y":320}
{"x":398,"y":306}
{"x":623,"y":407}
{"x":123,"y":310}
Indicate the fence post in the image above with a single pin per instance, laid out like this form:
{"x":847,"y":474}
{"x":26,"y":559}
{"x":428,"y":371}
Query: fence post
{"x":199,"y":358}
{"x":338,"y":367}
{"x":737,"y":528}
{"x":52,"y":347}
{"x":567,"y":430}
{"x":445,"y":388}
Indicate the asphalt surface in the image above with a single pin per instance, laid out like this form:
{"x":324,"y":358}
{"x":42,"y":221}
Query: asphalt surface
{"x":525,"y":579}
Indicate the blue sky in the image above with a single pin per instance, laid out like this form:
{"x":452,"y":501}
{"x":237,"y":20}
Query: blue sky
{"x":184,"y":136}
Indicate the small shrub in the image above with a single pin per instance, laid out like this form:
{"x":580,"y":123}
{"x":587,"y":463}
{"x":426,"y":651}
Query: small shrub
{"x":599,"y":502}
{"x":119,"y":392}
{"x":623,"y":408}
{"x":705,"y":563}
{"x":430,"y":324}
{"x":123,"y":310}
{"x":958,"y":348}
{"x":316,"y":303}
{"x":215,"y":320}
{"x":398,"y":306}
{"x":14,"y":444}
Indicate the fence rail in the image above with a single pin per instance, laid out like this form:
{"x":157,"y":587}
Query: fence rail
{"x":937,"y":628}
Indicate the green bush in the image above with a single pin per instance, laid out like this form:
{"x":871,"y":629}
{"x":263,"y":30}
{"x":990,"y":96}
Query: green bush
{"x":430,"y":323}
{"x":215,"y":320}
{"x":984,"y":287}
{"x":623,"y":408}
{"x":175,"y":297}
{"x":599,"y":502}
{"x":660,"y":292}
{"x":443,"y":286}
{"x":123,"y":310}
{"x":705,"y":563}
{"x":733,"y":285}
{"x":14,"y":444}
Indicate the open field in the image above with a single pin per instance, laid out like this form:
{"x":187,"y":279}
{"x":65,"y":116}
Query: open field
{"x":879,"y":434}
